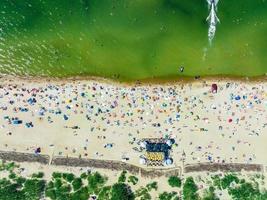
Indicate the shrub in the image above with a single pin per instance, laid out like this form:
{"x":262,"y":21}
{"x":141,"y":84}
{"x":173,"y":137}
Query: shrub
{"x":95,"y":181}
{"x":121,"y":191}
{"x":12,"y":175}
{"x":10,"y":191}
{"x":228,"y":179}
{"x":143,"y":194}
{"x":51,"y":193}
{"x":84,"y":175}
{"x":20,"y":180}
{"x":58,"y":183}
{"x":245,"y":191}
{"x":153,"y":185}
{"x":133,"y":180}
{"x":33,"y":189}
{"x":174,"y":181}
{"x":56,"y":175}
{"x":210,"y":194}
{"x":38,"y":175}
{"x":122,"y":177}
{"x":81,"y":194}
{"x":104,"y":193}
{"x":70,"y":177}
{"x":168,"y":196}
{"x":64,"y":188}
{"x":217,"y":181}
{"x":10,"y":166}
{"x":77,"y":184}
{"x":190,"y":189}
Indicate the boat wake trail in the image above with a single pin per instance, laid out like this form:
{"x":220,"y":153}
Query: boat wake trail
{"x":212,"y":19}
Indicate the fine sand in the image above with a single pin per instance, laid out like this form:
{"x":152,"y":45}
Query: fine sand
{"x":104,"y":120}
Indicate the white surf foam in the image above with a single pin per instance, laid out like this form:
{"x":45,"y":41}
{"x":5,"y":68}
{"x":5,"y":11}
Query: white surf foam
{"x":212,"y":19}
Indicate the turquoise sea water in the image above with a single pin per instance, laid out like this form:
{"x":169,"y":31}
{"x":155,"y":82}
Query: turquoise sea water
{"x":130,"y":40}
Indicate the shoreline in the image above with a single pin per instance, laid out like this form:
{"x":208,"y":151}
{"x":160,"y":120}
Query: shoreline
{"x":142,"y":82}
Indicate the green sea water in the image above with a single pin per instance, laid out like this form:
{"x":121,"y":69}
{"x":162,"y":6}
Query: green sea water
{"x":131,"y":39}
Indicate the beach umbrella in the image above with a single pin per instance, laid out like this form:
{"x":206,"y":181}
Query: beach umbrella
{"x":65,"y":117}
{"x":142,"y":161}
{"x":38,"y":150}
{"x":168,"y":162}
{"x":143,"y":144}
{"x":169,"y":142}
{"x":214,"y":88}
{"x":109,"y":146}
{"x":237,"y":98}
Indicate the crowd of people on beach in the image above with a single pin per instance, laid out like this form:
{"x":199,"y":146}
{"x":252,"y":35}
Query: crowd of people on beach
{"x":221,"y":126}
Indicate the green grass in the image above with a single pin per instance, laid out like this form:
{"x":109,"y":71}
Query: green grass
{"x":131,"y":40}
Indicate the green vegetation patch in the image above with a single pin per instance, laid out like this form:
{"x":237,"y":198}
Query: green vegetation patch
{"x":153,"y":185}
{"x":122,"y":177}
{"x":168,"y":196}
{"x":190,"y":189}
{"x":121,"y":191}
{"x":133,"y":180}
{"x":174,"y":181}
{"x":68,"y":186}
{"x":95,"y":182}
{"x":143,"y":194}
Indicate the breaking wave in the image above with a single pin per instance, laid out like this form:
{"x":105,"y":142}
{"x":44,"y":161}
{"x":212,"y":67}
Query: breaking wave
{"x":212,"y":19}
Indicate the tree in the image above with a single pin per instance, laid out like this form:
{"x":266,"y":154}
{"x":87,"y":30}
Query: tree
{"x":58,"y":183}
{"x":10,"y":191}
{"x":245,"y":191}
{"x":143,"y":194}
{"x":38,"y":175}
{"x":81,"y":194}
{"x":174,"y":181}
{"x":122,"y":177}
{"x":168,"y":196}
{"x":12,"y":175}
{"x":228,"y":179}
{"x":121,"y":191}
{"x":51,"y":193}
{"x":190,"y":189}
{"x":133,"y":180}
{"x":77,"y":184}
{"x":33,"y":189}
{"x":153,"y":185}
{"x":84,"y":175}
{"x":95,"y":181}
{"x":209,"y":194}
{"x":70,"y":177}
{"x":20,"y":180}
{"x":104,"y":193}
{"x":56,"y":175}
{"x":216,"y":181}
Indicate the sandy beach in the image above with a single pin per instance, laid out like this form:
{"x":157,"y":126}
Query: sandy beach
{"x":105,"y":120}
